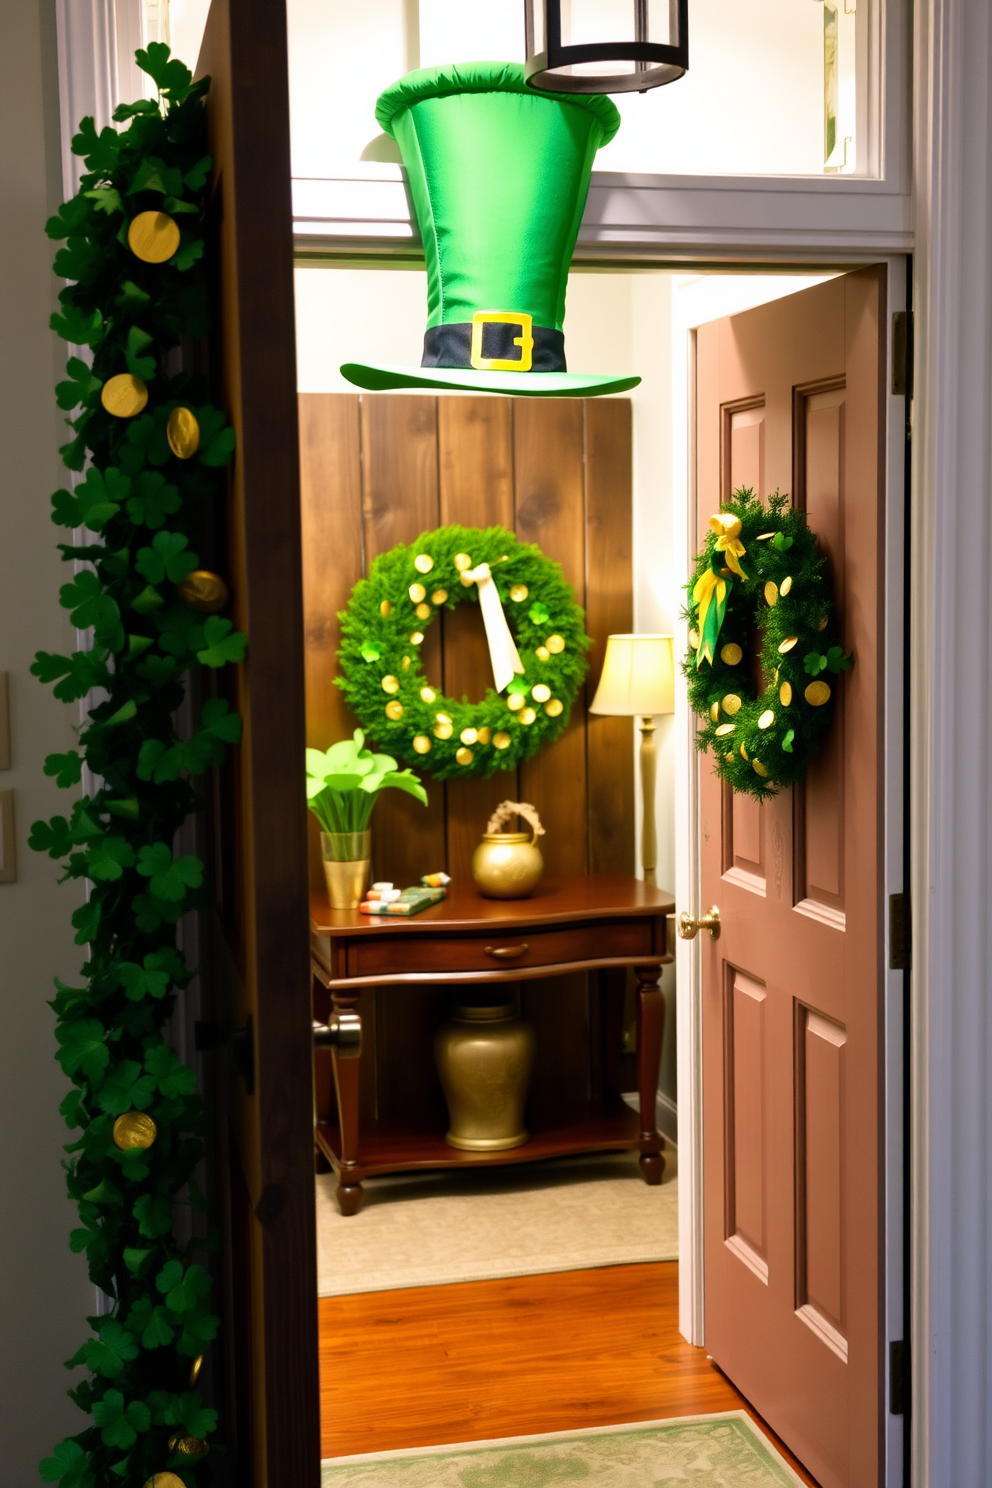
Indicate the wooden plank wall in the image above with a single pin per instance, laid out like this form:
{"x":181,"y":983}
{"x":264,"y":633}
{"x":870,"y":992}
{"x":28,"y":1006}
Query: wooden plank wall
{"x":378,"y":469}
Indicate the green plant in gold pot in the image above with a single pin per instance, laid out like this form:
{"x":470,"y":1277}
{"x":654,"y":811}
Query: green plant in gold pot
{"x":343,"y":785}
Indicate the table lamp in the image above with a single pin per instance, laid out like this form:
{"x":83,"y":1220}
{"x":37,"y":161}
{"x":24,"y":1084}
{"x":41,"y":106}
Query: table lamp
{"x":638,"y":681}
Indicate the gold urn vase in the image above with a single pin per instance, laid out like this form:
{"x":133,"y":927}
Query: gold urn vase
{"x":346,"y":856}
{"x":485,"y":1056}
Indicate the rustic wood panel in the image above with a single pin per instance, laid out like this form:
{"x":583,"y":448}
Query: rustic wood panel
{"x":475,"y":463}
{"x":399,"y":501}
{"x":609,"y":611}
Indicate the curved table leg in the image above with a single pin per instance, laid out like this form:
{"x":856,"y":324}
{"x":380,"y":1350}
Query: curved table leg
{"x":347,"y":1073}
{"x":650,"y":1028}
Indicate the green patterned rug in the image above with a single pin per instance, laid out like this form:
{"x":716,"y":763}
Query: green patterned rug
{"x":718,"y":1451}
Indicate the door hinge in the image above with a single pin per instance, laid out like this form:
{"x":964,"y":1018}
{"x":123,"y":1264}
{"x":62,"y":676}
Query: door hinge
{"x":899,"y":1378}
{"x":900,"y":933}
{"x":902,"y":354}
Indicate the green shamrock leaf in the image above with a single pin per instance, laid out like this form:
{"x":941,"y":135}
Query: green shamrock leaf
{"x":222,"y":643}
{"x":131,"y":296}
{"x":199,"y":1329}
{"x":90,"y":605}
{"x":67,"y":768}
{"x":787,"y":741}
{"x":107,"y":859}
{"x":207,"y":745}
{"x":154,"y":175}
{"x":78,"y":327}
{"x":781,"y":543}
{"x":153,"y":500}
{"x":72,"y":217}
{"x":158,"y":762}
{"x":174,"y":1078}
{"x":101,"y":150}
{"x":83,"y":1048}
{"x":153,"y":977}
{"x":539,"y":614}
{"x":134,"y":1260}
{"x":72,"y":1107}
{"x":86,"y":922}
{"x":153,"y":1213}
{"x":67,"y":1465}
{"x":105,"y":199}
{"x":108,"y":1354}
{"x":168,"y":557}
{"x":189,"y":253}
{"x":150,"y":913}
{"x":126,"y":1087}
{"x":837,"y":661}
{"x":79,"y":672}
{"x":157,"y":1331}
{"x":138,"y":365}
{"x":169,"y":878}
{"x":196,"y":177}
{"x":198,"y":1421}
{"x":120,"y":1424}
{"x":814,"y":662}
{"x":167,"y":73}
{"x":130,"y":110}
{"x":216,"y":436}
{"x":184,"y":1294}
{"x":371,"y":651}
{"x":53,"y":837}
{"x":80,"y":386}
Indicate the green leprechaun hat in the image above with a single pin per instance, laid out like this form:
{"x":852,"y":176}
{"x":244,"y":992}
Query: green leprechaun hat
{"x":499,"y":176}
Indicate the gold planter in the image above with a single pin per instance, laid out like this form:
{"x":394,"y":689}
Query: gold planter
{"x":484,"y":1057}
{"x":347,"y":856}
{"x":507,"y":865}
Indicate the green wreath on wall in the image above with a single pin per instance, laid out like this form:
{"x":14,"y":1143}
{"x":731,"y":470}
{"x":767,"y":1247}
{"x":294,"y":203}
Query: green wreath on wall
{"x":383,"y":630}
{"x":761,"y":565}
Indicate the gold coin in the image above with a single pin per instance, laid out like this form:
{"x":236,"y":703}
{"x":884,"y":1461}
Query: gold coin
{"x":744,"y":753}
{"x":501,"y":740}
{"x":204,"y":591}
{"x":428,"y":694}
{"x":694,"y":640}
{"x":469,"y":735}
{"x":542,"y":653}
{"x":188,"y":1446}
{"x":384,"y":608}
{"x":439,"y":597}
{"x":555,"y":708}
{"x":417,"y":638}
{"x":183,"y":433}
{"x":484,"y":735}
{"x":788,"y":644}
{"x":194,"y":1370}
{"x":785,"y":694}
{"x":423,"y":612}
{"x":124,"y":395}
{"x":423,"y":563}
{"x":786,"y":585}
{"x":771,"y":593}
{"x":390,"y":683}
{"x":464,"y":756}
{"x":714,"y":711}
{"x":764,"y":536}
{"x":817,"y":693}
{"x":528,"y":715}
{"x":767,"y":718}
{"x":394,"y":710}
{"x":442,"y":718}
{"x":153,"y":236}
{"x":518,"y":593}
{"x":134,"y":1129}
{"x":515,"y":701}
{"x":823,"y":623}
{"x":466,"y":581}
{"x":462,"y":562}
{"x":443,"y":731}
{"x":164,"y":1480}
{"x":405,"y":664}
{"x":421,"y":744}
{"x":555,"y":644}
{"x":541,"y":692}
{"x":724,"y":729}
{"x":731,"y":653}
{"x":417,"y":592}
{"x":729,"y":756}
{"x":758,"y":767}
{"x":731,"y":704}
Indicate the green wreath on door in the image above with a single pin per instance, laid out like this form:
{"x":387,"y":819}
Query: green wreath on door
{"x":762,"y":567}
{"x":383,"y":630}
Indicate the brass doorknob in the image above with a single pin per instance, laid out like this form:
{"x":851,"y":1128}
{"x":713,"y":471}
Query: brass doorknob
{"x":342,"y":1032}
{"x":689,"y":926}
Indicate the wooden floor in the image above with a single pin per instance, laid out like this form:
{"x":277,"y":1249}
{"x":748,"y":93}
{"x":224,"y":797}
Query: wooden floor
{"x":525,"y":1354}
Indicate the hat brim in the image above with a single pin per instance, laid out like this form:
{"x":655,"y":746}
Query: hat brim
{"x":380,"y":379}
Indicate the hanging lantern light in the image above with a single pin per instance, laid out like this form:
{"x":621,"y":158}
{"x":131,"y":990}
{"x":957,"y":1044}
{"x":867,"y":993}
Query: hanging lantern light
{"x":605,"y":46}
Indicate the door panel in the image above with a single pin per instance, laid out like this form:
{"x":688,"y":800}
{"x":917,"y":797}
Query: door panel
{"x":789,"y":397}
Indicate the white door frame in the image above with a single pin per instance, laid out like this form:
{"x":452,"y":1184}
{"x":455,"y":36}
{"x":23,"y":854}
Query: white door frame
{"x":687,"y":889}
{"x":947,"y":221}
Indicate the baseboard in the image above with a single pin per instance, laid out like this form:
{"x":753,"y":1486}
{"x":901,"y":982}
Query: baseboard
{"x":666,"y":1114}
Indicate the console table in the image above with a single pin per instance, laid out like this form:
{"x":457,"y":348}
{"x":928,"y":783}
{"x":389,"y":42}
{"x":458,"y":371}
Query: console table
{"x":590,"y":922}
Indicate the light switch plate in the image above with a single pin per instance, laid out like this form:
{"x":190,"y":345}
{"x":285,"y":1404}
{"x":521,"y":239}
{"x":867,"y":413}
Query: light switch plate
{"x":8,"y":854}
{"x":4,"y":723}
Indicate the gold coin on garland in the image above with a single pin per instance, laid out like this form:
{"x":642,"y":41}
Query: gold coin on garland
{"x":554,"y":708}
{"x":541,"y":692}
{"x":785,"y":588}
{"x":417,"y":592}
{"x":785,"y":694}
{"x":731,"y":704}
{"x":817,"y":693}
{"x":771,"y":593}
{"x":724,"y":729}
{"x":203,"y":591}
{"x":715,"y":712}
{"x":542,"y":653}
{"x":194,"y":1370}
{"x":759,"y":768}
{"x":464,"y":756}
{"x":462,"y":562}
{"x":423,"y":612}
{"x":731,"y":653}
{"x":423,"y":563}
{"x":124,"y":396}
{"x":182,"y":1445}
{"x":422,"y":744}
{"x":501,"y":740}
{"x":390,"y":683}
{"x":515,"y":701}
{"x":767,"y":719}
{"x":469,"y":736}
{"x":164,"y":1480}
{"x":394,"y":710}
{"x":183,"y":433}
{"x":439,"y":597}
{"x":427,"y":694}
{"x":134,"y":1129}
{"x":484,"y":735}
{"x":518,"y":593}
{"x":555,"y":644}
{"x":405,"y":664}
{"x":153,"y":237}
{"x":385,"y":608}
{"x":417,"y":639}
{"x":787,"y":645}
{"x":527,"y":716}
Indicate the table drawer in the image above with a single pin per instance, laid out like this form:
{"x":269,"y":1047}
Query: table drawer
{"x":501,"y":950}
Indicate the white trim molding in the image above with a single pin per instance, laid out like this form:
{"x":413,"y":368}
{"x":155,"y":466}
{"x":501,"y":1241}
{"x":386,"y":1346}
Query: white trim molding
{"x":951,"y":794}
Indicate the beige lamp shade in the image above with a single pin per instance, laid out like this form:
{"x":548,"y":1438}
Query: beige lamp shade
{"x":638,"y":676}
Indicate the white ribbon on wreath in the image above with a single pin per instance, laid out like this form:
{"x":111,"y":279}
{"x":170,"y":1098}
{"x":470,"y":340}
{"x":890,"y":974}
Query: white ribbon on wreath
{"x":503,"y":651}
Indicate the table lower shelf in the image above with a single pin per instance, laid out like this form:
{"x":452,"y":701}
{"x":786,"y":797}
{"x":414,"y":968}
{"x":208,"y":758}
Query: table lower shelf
{"x":393,"y":1147}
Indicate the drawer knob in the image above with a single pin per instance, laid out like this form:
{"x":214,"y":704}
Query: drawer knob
{"x":507,"y":953}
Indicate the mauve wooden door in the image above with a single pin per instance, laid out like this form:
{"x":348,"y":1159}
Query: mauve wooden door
{"x":789,"y":395}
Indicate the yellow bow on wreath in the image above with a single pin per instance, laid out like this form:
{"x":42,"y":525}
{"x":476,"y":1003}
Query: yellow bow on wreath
{"x":712,"y":589}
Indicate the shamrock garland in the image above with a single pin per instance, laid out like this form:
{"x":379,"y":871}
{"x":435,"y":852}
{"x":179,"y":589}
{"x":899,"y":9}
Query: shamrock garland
{"x":134,"y":233}
{"x":383,"y":629}
{"x":762,"y":564}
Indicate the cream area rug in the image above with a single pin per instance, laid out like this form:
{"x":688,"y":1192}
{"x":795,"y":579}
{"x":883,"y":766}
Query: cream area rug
{"x":719,"y":1451}
{"x":562,"y":1215}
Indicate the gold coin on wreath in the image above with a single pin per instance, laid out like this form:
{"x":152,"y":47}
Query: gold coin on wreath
{"x":761,"y":567}
{"x":537,"y":642}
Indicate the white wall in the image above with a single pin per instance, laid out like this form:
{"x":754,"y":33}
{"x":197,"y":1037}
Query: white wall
{"x":46,"y":1294}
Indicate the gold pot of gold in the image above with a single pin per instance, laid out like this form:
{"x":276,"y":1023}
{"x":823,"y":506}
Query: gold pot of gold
{"x":509,"y":865}
{"x":485,"y":1056}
